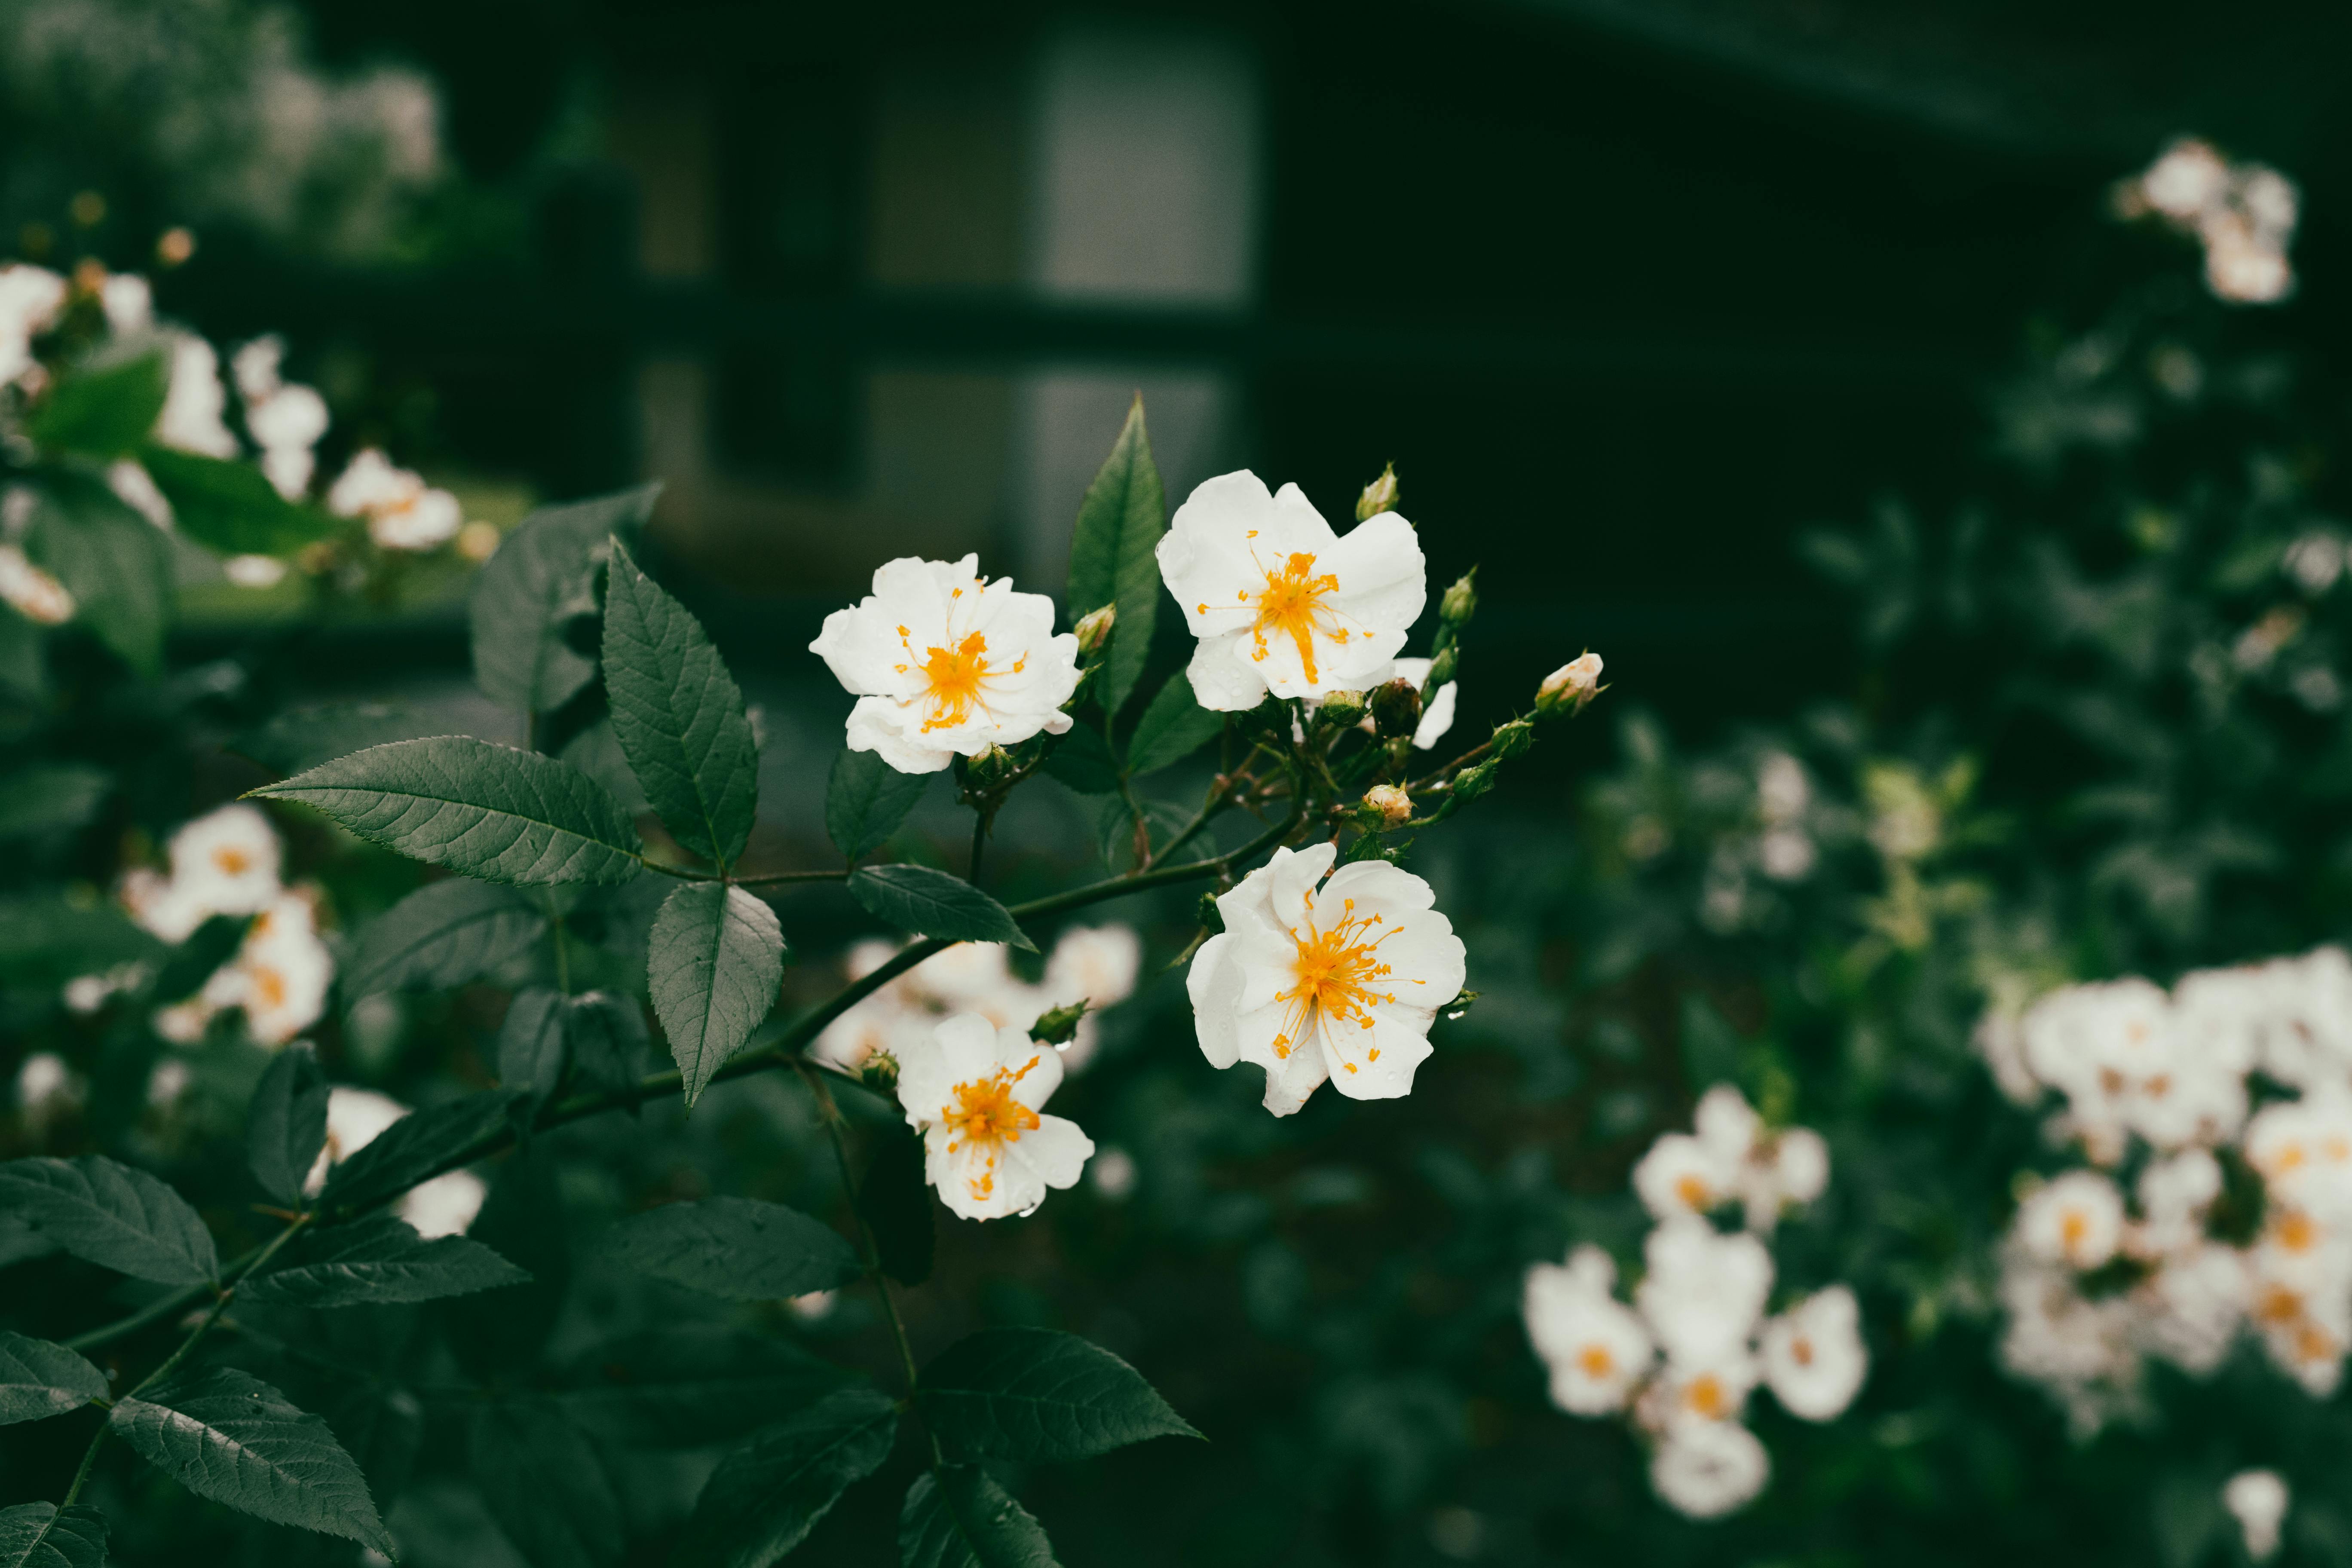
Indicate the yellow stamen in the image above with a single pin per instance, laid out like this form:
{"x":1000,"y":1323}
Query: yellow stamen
{"x":1292,"y":604}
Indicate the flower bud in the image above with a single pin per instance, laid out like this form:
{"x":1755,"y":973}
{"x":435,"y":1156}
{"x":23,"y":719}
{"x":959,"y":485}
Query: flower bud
{"x":1396,"y":709}
{"x":1471,"y":783}
{"x":1060,"y":1025}
{"x":1093,"y":630}
{"x":1341,"y":708}
{"x":880,"y":1072}
{"x":989,"y":769}
{"x":1385,"y":806}
{"x":1513,"y":739}
{"x":1380,"y":496}
{"x":1441,"y":667}
{"x":1566,"y":689}
{"x":1461,"y":601}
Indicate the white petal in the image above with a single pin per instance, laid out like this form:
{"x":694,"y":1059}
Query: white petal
{"x":873,"y":727}
{"x":1055,"y":1150}
{"x":1214,"y":983}
{"x":1224,"y":680}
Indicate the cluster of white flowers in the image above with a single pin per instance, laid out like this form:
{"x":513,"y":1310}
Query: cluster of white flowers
{"x":2143,"y":1251}
{"x":402,"y":511}
{"x":1098,"y":966}
{"x":227,"y":863}
{"x":2243,"y":214}
{"x":1684,"y":1357}
{"x":446,"y":1205}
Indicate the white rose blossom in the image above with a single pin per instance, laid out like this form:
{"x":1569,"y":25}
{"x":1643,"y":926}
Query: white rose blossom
{"x":1813,"y":1357}
{"x":1595,"y":1347}
{"x":974,"y":1090}
{"x":1709,"y":1468}
{"x":1282,"y":604}
{"x":1341,"y":982}
{"x":446,"y":1205}
{"x":402,"y":511}
{"x":2258,"y":1500}
{"x":945,"y":664}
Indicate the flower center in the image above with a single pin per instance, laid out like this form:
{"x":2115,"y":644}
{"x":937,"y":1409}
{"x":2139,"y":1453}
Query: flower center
{"x":2073,"y":1229}
{"x":955,"y":675}
{"x":1596,"y":1361}
{"x":232,"y":862}
{"x":270,"y":987}
{"x":985,"y":1110}
{"x":1692,"y":1192}
{"x":2296,"y":1232}
{"x":1800,"y":1350}
{"x":1704,"y":1395}
{"x":1288,"y":606}
{"x":2278,"y":1305}
{"x":1335,"y":972}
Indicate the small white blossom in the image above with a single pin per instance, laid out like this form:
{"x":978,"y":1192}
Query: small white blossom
{"x":1704,"y":1291}
{"x":2076,"y":1220}
{"x":135,"y":487}
{"x":1682,"y":1174}
{"x":1098,"y":966}
{"x":1596,"y":1348}
{"x":254,"y":571}
{"x":1709,"y":1468}
{"x":128,"y":302}
{"x":945,"y":664}
{"x":1340,"y":983}
{"x":1282,"y":604}
{"x":973,"y":1092}
{"x":1814,"y":1361}
{"x":2258,"y":1500}
{"x":226,"y":861}
{"x":168,"y":1082}
{"x":30,"y":298}
{"x":402,"y":511}
{"x":45,"y":1085}
{"x":446,"y":1205}
{"x":194,"y":401}
{"x":31,"y":592}
{"x":280,"y":974}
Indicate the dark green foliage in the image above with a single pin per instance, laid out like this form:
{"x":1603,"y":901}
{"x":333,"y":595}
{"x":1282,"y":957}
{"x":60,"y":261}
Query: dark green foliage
{"x":112,"y":561}
{"x":419,"y":1145}
{"x":896,"y":1204}
{"x":1174,"y":726}
{"x":739,"y":1248}
{"x":53,"y":798}
{"x":687,"y":1387}
{"x":544,"y":1484}
{"x":38,"y":1379}
{"x":443,"y":935}
{"x":285,"y":1124}
{"x":42,"y":1535}
{"x":1082,"y":760}
{"x":1111,"y":562}
{"x":1035,"y":1393}
{"x":958,"y":1517}
{"x":111,"y":1215}
{"x":866,"y":799}
{"x":767,"y":1495}
{"x":229,"y":507}
{"x":375,"y":1262}
{"x":319,"y":733}
{"x":194,"y":960}
{"x":542,"y":579}
{"x":103,"y":410}
{"x":933,"y":903}
{"x":716,"y":959}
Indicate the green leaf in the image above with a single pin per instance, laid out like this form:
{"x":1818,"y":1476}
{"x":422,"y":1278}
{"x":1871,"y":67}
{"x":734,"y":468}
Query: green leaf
{"x":286,"y":1125}
{"x":866,"y":800}
{"x":38,"y":1379}
{"x":229,"y":1436}
{"x":532,"y":1051}
{"x":679,"y":714}
{"x":42,"y":1535}
{"x":692,"y":1386}
{"x":304,"y":737}
{"x":112,"y":1216}
{"x":114,"y":561}
{"x":741,"y":1249}
{"x":192,"y":963}
{"x":47,"y":938}
{"x":1174,"y":726}
{"x":958,"y":1517}
{"x":894,"y":1201}
{"x":715,"y":961}
{"x":51,"y":797}
{"x":377,"y":1262}
{"x":419,"y":1145}
{"x":767,"y":1495}
{"x":1036,"y":1393}
{"x":489,"y":811}
{"x":606,"y":1035}
{"x":103,"y":411}
{"x":1111,"y":555}
{"x":1082,"y":760}
{"x":933,"y":903}
{"x":442,"y":936}
{"x":497,"y":1336}
{"x":229,"y":508}
{"x":542,"y":578}
{"x":544,"y":1484}
{"x":24,"y":664}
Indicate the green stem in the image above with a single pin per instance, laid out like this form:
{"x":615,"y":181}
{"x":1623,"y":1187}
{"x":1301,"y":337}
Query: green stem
{"x":766,"y":878}
{"x":830,"y":1114}
{"x":980,"y":815}
{"x":684,"y":874}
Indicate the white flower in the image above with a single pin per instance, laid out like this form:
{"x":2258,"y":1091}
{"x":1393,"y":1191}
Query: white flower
{"x":1708,"y":1468}
{"x":1813,"y":1356}
{"x":1097,"y":964}
{"x":254,"y":571}
{"x":1279,"y":602}
{"x":2173,"y":1195}
{"x":1571,"y":686}
{"x":31,"y":592}
{"x":1713,"y":1389}
{"x":1113,"y":1173}
{"x":1704,"y":1291}
{"x":226,"y":862}
{"x":285,"y":425}
{"x":446,"y":1205}
{"x":2304,"y":1149}
{"x":1682,"y":1175}
{"x":194,"y":401}
{"x":1596,"y":1349}
{"x":973,"y":1092}
{"x":29,"y":300}
{"x":184,"y":1023}
{"x":2188,"y":178}
{"x":2076,"y":1220}
{"x":2080,"y":1348}
{"x":44,"y":1084}
{"x":1785,"y":1170}
{"x":402,"y":513}
{"x":168,"y":1082}
{"x":2242,"y":267}
{"x":280,"y":975}
{"x":2191,"y":1308}
{"x":945,"y":664}
{"x":1436,"y":718}
{"x":2258,"y":1500}
{"x":135,"y":487}
{"x":1342,"y":984}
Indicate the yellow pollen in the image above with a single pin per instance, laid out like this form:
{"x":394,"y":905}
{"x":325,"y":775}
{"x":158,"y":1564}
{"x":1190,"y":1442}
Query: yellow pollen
{"x":270,"y":987}
{"x":1336,"y":973}
{"x":1800,"y":1350}
{"x":985,"y":1111}
{"x":1706,"y":1397}
{"x":1691,"y":1191}
{"x":2278,"y":1305}
{"x":2296,"y":1232}
{"x":956,"y":675}
{"x":1290,"y":604}
{"x":1596,"y":1361}
{"x":2073,"y":1229}
{"x":232,"y":861}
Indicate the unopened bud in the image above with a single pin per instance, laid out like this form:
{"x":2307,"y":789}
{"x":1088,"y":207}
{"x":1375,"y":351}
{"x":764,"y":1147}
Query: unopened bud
{"x":1059,"y":1027}
{"x":1396,"y":709}
{"x":1386,"y":806}
{"x":1461,"y":601}
{"x":1341,"y":708}
{"x":1513,"y":739}
{"x":1093,"y":630}
{"x":1471,"y":783}
{"x":989,"y":769}
{"x":1566,"y":689}
{"x":1442,"y":666}
{"x":880,"y":1072}
{"x":1380,"y":496}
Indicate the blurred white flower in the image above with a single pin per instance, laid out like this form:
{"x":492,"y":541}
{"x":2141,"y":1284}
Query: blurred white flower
{"x":285,"y":419}
{"x":31,"y":592}
{"x":1596,"y":1349}
{"x":2076,"y":1220}
{"x":1813,"y":1356}
{"x":1099,"y":964}
{"x":2186,"y":178}
{"x":135,"y":487}
{"x":2190,"y":1310}
{"x":973,"y":1092}
{"x":1709,"y":1468}
{"x":2243,"y":214}
{"x":2258,"y":1500}
{"x":2316,"y":560}
{"x":44,"y":1086}
{"x":446,"y":1205}
{"x":168,"y":1081}
{"x":1688,"y":1390}
{"x":1341,"y":983}
{"x":1705,"y":1293}
{"x":1682,"y":1175}
{"x":1282,"y":604}
{"x":30,"y":298}
{"x":815,"y":1306}
{"x":254,"y":571}
{"x":226,"y":861}
{"x":945,"y":664}
{"x":402,"y":511}
{"x":128,"y":302}
{"x":1113,"y":1173}
{"x":196,"y":401}
{"x":280,"y":975}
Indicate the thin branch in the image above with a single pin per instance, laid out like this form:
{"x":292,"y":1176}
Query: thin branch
{"x":766,"y":878}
